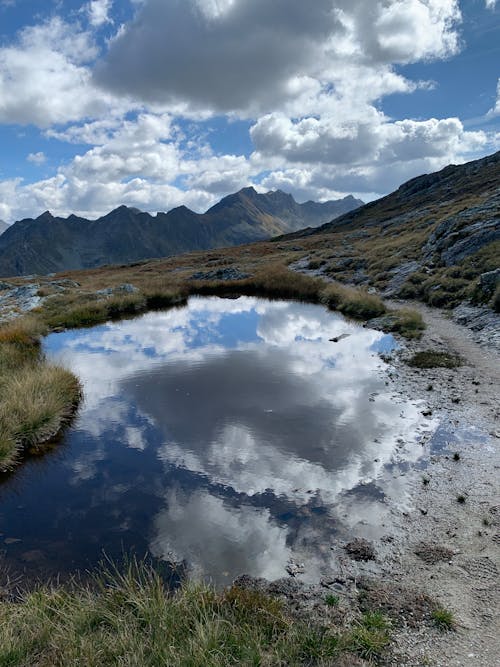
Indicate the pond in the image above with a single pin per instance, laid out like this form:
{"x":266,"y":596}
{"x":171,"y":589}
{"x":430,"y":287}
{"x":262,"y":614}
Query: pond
{"x":229,"y":436}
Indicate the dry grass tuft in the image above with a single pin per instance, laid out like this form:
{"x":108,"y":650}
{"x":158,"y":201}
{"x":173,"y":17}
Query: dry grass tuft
{"x":352,"y":301}
{"x":38,"y":399}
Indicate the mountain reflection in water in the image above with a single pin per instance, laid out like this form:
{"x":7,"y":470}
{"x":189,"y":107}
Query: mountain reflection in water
{"x":230,"y":435}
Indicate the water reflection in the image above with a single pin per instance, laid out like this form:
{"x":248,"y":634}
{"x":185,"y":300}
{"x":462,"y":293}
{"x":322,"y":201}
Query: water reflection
{"x":230,"y":435}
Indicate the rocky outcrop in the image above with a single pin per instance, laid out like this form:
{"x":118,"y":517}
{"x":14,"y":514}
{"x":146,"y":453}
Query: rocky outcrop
{"x":465,"y":233}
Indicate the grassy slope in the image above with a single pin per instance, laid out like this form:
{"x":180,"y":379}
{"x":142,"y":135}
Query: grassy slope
{"x":127,"y":618}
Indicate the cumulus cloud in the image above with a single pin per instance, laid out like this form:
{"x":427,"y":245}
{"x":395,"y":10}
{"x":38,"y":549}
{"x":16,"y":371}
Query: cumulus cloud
{"x":306,"y":77}
{"x":372,"y":140}
{"x":98,"y":12}
{"x":251,"y":55}
{"x":45,"y":76}
{"x":37,"y":158}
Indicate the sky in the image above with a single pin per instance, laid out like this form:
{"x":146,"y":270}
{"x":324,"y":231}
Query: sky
{"x":161,"y":103}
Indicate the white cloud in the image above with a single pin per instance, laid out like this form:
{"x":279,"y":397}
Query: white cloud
{"x":491,"y":4}
{"x":37,"y":158}
{"x":309,"y":76}
{"x":495,"y":111}
{"x":251,"y":55}
{"x":98,"y":12}
{"x":45,"y":76}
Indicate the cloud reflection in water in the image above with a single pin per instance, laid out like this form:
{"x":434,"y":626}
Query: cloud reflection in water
{"x":259,"y":418}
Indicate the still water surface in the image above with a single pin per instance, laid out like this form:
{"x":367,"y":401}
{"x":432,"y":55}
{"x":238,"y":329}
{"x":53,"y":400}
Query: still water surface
{"x":227,"y":436}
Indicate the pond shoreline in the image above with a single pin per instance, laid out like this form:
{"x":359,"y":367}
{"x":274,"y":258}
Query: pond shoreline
{"x":452,"y":519}
{"x":465,"y":584}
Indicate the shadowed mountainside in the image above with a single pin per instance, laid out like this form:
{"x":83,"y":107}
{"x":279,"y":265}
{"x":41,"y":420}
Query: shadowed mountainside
{"x":48,"y":244}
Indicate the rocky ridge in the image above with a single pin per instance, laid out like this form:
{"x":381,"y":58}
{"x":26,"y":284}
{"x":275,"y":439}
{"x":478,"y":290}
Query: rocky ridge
{"x":125,"y":235}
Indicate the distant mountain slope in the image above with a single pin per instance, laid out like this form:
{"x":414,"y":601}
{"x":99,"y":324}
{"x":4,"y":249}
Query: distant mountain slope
{"x":3,"y":226}
{"x":434,"y":196}
{"x":436,"y":238}
{"x":48,"y":244}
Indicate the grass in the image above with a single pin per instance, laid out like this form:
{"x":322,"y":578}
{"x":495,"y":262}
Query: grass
{"x":332,"y":600}
{"x":434,"y":359}
{"x":352,"y":301}
{"x":443,"y":619}
{"x":38,"y":398}
{"x":128,"y":618}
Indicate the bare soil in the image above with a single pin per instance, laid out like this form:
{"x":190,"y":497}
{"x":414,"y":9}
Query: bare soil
{"x":466,"y":400}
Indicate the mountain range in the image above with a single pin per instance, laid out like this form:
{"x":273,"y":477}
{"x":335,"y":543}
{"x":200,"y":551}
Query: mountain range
{"x":49,"y":244}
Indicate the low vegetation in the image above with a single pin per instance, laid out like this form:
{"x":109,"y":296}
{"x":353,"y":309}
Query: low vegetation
{"x":434,"y":359}
{"x":38,"y":399}
{"x":128,"y":618}
{"x":444,"y":619}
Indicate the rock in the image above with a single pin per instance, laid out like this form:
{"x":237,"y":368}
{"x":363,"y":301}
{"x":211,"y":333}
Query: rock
{"x":482,"y":321}
{"x":65,"y":282}
{"x":294,"y":568}
{"x":4,"y":286}
{"x":399,"y":277}
{"x":464,"y":233}
{"x":336,"y":339}
{"x":127,"y":288}
{"x":488,"y":281}
{"x":230,"y":273}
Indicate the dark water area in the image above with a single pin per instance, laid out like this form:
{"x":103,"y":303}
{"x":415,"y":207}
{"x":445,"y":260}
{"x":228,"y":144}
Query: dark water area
{"x":224,"y":437}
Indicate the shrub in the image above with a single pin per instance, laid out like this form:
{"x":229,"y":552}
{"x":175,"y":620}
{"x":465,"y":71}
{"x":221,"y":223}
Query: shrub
{"x":434,"y":359}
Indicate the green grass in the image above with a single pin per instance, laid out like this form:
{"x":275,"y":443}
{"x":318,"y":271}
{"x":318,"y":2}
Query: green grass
{"x":434,"y":359}
{"x":443,"y":619}
{"x":370,"y":638}
{"x":332,"y":600}
{"x":128,"y":618}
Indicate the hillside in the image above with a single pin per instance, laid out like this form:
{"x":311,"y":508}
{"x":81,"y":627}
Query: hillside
{"x":431,"y":239}
{"x":48,"y":244}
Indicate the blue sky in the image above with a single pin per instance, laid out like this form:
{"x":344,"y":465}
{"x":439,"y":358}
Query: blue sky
{"x":157,"y":103}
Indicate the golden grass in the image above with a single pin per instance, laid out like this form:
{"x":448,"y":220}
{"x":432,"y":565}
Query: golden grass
{"x":38,"y":399}
{"x":352,"y":301}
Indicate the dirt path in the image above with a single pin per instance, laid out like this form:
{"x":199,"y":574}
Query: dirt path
{"x":466,"y":401}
